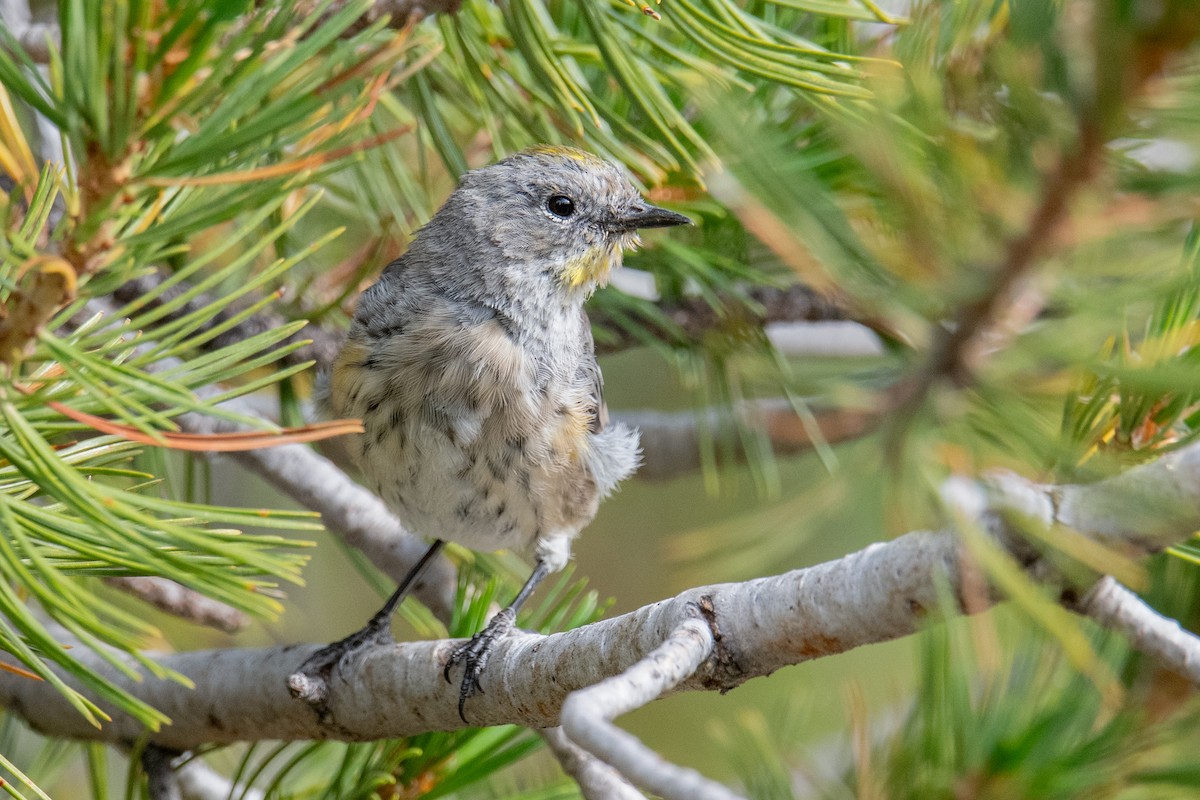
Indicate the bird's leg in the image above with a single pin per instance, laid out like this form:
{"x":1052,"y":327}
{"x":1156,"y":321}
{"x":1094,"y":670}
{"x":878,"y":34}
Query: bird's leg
{"x":311,"y":681}
{"x":475,"y":653}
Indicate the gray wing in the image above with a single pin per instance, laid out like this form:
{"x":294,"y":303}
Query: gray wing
{"x":598,"y":409}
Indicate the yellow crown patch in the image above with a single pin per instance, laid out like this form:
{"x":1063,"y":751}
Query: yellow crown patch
{"x":562,"y":151}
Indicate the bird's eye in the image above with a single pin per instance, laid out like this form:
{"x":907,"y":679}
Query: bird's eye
{"x":561,"y":206}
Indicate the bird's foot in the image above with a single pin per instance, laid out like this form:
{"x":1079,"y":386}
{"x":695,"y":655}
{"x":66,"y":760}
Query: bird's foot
{"x":475,"y":654}
{"x":310,"y":683}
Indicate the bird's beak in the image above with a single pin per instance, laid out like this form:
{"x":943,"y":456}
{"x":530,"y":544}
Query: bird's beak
{"x":648,"y":216}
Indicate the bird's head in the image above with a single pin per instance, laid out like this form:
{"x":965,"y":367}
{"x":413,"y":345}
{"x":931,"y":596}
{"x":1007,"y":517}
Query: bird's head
{"x":561,"y":211}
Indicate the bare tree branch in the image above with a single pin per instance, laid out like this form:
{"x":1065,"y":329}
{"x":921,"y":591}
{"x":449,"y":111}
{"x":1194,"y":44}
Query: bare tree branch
{"x":693,"y":316}
{"x":587,"y":715}
{"x":759,"y":626}
{"x":597,"y":780}
{"x":672,"y":442}
{"x":180,"y":601}
{"x":1115,"y":607}
{"x":823,"y":339}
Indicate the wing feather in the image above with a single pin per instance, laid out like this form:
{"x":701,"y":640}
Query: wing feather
{"x":597,"y":408}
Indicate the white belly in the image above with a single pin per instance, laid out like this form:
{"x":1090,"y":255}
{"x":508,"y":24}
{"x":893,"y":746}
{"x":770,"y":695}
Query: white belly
{"x":440,"y":491}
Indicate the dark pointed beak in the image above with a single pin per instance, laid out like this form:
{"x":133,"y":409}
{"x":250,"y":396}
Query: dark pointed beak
{"x":648,"y":216}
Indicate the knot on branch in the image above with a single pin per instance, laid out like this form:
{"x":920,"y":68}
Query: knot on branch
{"x":721,"y":671}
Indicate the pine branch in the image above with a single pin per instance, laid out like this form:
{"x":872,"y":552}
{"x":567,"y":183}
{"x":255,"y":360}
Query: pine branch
{"x":347,"y":509}
{"x":693,"y":317}
{"x":958,"y":353}
{"x":323,"y":343}
{"x":1004,"y":307}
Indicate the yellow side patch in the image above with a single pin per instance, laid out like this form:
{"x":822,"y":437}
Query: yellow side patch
{"x":570,"y":434}
{"x":346,"y":375}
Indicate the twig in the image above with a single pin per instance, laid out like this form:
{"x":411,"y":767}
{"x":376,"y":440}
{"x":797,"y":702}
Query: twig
{"x":180,"y":601}
{"x":956,"y":355}
{"x":696,"y":318}
{"x":597,"y":780}
{"x":587,"y":715}
{"x":1113,"y":606}
{"x":672,"y":444}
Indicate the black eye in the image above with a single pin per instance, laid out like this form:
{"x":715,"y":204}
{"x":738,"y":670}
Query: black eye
{"x":561,"y":206}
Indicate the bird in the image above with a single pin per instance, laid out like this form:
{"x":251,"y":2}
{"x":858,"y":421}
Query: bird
{"x":472,"y":366}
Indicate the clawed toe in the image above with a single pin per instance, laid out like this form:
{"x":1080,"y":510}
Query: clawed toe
{"x":474,"y":656}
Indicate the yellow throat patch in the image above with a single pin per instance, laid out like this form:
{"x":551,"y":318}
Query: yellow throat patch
{"x":594,"y":265}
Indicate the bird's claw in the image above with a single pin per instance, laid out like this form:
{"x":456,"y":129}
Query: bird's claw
{"x":474,"y":656}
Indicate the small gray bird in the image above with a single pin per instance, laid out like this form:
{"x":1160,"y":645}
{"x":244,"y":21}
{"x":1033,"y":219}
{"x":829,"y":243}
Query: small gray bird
{"x":471,"y":365}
